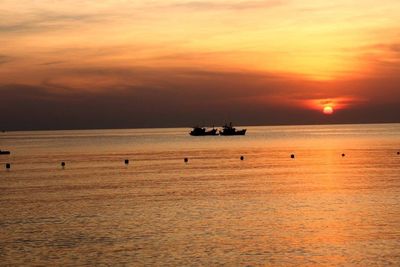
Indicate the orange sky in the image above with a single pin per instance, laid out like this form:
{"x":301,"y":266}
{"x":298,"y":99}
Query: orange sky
{"x":282,"y":54}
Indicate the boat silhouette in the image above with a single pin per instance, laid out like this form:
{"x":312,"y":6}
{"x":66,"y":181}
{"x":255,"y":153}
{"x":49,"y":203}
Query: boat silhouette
{"x":230,"y":130}
{"x":2,"y":152}
{"x":202,"y":131}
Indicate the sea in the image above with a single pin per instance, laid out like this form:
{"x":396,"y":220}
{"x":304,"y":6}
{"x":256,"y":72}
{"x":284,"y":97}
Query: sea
{"x":335,"y":202}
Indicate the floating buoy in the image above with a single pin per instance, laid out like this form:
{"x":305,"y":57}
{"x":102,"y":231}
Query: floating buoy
{"x":126,"y":161}
{"x":292,"y":156}
{"x":241,"y":158}
{"x":185,"y":160}
{"x":8,"y":166}
{"x":63,"y":164}
{"x":398,"y":153}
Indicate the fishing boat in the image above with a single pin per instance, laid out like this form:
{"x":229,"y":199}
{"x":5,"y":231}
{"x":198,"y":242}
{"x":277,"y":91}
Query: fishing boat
{"x":230,"y":130}
{"x":201,"y":131}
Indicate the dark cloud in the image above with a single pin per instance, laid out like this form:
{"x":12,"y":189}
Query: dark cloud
{"x":147,"y":97}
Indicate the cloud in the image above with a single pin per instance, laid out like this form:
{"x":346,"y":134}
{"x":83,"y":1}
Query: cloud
{"x":38,"y":21}
{"x":157,"y":97}
{"x":228,"y":5}
{"x":391,"y":47}
{"x":5,"y":59}
{"x":52,"y":63}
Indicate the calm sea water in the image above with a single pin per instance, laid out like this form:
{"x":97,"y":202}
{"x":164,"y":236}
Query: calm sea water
{"x":317,"y":209}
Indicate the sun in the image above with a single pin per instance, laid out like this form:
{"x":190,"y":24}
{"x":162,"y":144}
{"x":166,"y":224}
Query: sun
{"x":329,"y":106}
{"x":328,"y":110}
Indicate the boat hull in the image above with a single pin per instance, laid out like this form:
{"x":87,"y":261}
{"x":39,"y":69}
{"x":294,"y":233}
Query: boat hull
{"x":212,"y":132}
{"x":241,"y":132}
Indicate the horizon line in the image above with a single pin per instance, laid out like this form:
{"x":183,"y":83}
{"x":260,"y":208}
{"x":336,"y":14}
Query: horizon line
{"x":182,"y":127}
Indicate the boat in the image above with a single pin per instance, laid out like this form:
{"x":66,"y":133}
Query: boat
{"x":2,"y":152}
{"x":230,"y":130}
{"x":201,"y":131}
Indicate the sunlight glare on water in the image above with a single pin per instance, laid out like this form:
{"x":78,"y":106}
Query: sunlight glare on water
{"x":318,"y":209}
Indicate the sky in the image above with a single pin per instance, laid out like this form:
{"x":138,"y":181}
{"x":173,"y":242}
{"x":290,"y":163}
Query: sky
{"x":69,"y":64}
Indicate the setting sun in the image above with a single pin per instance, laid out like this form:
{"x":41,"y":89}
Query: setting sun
{"x":328,"y":110}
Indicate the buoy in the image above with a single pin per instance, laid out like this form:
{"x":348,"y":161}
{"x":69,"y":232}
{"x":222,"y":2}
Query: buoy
{"x":63,"y":164}
{"x":398,"y":153}
{"x":8,"y":166}
{"x":343,"y":155}
{"x":241,"y":158}
{"x":126,"y":161}
{"x":186,"y":160}
{"x":292,"y":156}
